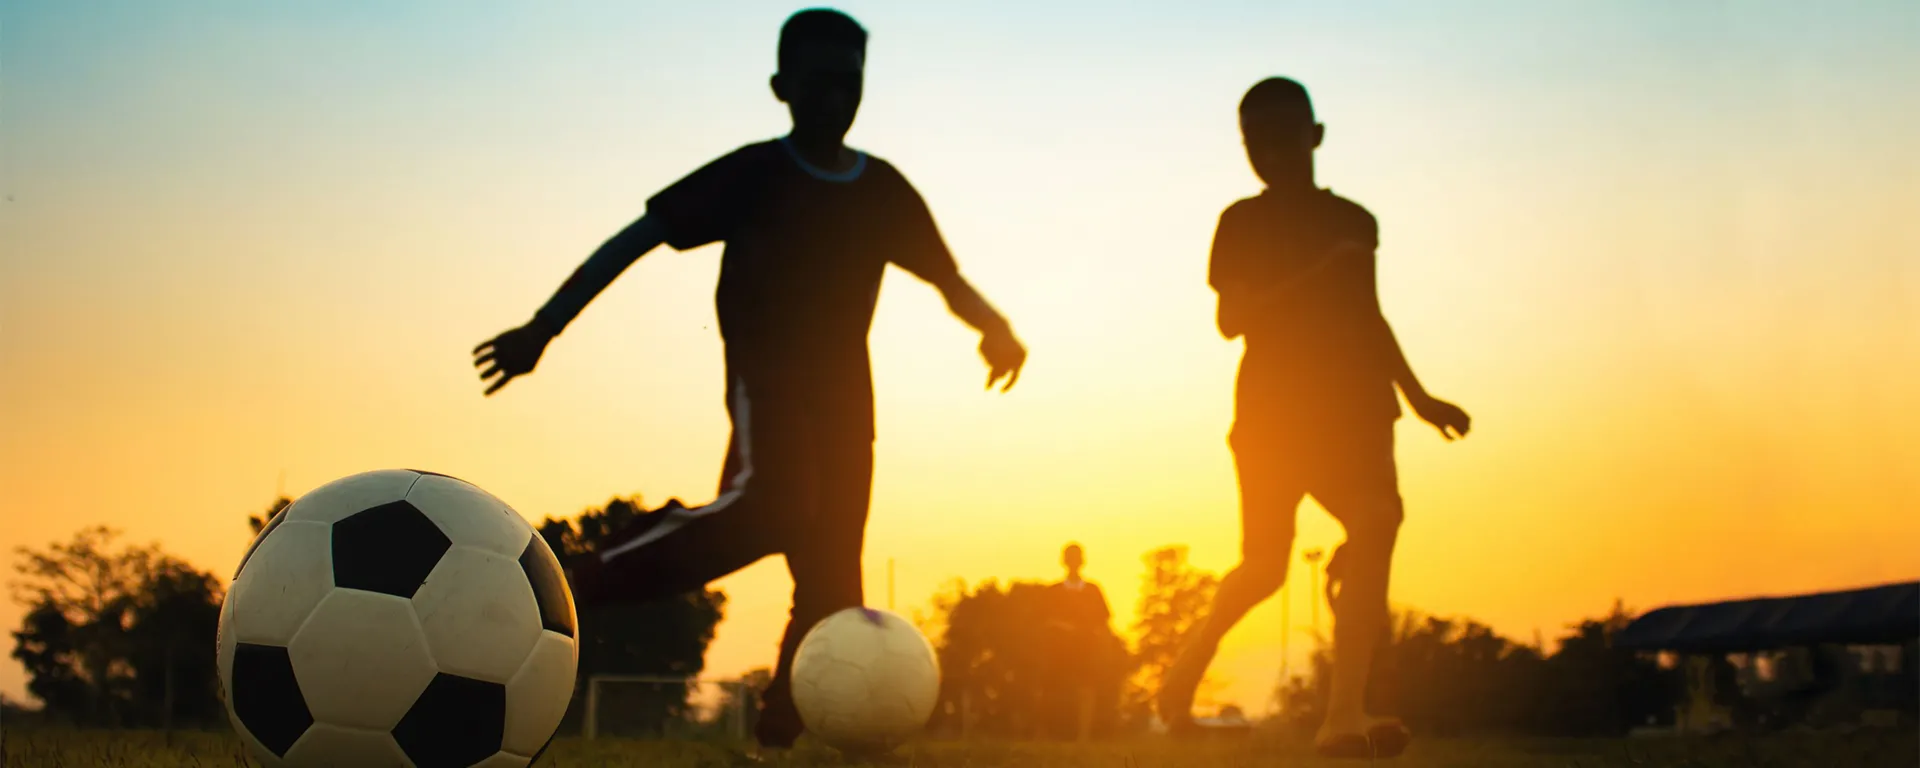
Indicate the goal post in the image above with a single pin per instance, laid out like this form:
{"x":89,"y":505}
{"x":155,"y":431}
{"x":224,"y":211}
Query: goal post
{"x":737,"y":700}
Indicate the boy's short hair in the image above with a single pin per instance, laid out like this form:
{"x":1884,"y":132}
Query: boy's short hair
{"x":819,"y":25}
{"x":1276,"y":92}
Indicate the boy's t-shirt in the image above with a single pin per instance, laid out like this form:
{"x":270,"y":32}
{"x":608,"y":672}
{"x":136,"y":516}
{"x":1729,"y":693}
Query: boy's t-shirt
{"x":1080,"y":604}
{"x":805,"y":254}
{"x":1313,"y":360}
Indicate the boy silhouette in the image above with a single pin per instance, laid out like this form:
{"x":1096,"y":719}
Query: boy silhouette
{"x":1314,"y":410}
{"x":1081,"y":648}
{"x":1078,"y":605}
{"x":810,"y":226}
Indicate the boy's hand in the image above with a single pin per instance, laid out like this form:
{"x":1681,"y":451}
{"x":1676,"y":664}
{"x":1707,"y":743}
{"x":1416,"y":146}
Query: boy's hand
{"x":1452,"y":422}
{"x":510,"y":354}
{"x":1004,"y":355}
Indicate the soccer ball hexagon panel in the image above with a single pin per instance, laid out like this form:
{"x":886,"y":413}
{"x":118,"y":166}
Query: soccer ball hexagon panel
{"x":401,"y":618}
{"x":865,"y":680}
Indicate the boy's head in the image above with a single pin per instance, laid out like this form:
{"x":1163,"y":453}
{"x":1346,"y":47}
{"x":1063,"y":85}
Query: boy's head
{"x":1073,"y":558}
{"x":822,"y":57}
{"x":1276,"y":122}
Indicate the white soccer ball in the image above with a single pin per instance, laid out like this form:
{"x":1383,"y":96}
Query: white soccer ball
{"x":865,"y":680}
{"x":398,"y":618}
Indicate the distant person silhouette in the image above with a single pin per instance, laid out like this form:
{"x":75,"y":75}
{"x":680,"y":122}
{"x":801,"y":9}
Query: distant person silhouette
{"x":1078,"y":605}
{"x":810,"y":226}
{"x":1314,"y":410}
{"x":1081,"y":643}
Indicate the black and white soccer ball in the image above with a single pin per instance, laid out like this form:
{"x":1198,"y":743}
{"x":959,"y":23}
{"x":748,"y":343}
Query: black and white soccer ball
{"x":398,"y":618}
{"x":865,"y":681}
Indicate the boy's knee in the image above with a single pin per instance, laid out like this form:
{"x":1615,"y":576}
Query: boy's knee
{"x":1265,"y":572}
{"x":1373,"y":523}
{"x":1372,"y":528}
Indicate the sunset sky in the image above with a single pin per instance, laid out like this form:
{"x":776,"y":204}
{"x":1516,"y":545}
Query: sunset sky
{"x":1667,"y":255}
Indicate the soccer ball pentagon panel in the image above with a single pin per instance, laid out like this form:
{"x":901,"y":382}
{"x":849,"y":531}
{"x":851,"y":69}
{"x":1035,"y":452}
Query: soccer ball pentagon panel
{"x":865,"y":681}
{"x":398,"y":618}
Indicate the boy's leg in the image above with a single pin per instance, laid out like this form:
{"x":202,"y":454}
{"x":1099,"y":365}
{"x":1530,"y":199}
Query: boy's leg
{"x":678,"y":549}
{"x":824,"y":561}
{"x":1364,"y":496}
{"x":1269,"y":497}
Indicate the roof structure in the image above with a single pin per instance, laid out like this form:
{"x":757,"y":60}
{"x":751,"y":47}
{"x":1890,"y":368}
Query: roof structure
{"x":1886,"y":614}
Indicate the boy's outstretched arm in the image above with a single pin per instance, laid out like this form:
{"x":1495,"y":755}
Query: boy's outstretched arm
{"x":1003,"y":352}
{"x":515,"y":352}
{"x":972,"y":308}
{"x":599,"y":271}
{"x":920,"y":250}
{"x":1452,"y":422}
{"x":1397,"y":364}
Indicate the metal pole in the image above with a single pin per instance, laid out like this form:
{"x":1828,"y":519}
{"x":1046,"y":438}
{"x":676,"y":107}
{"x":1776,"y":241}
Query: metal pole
{"x":1286,"y":631}
{"x":966,"y":712}
{"x":593,"y":707}
{"x":740,"y":693}
{"x":1313,"y":567}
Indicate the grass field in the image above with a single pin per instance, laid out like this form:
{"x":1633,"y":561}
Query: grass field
{"x":60,"y":748}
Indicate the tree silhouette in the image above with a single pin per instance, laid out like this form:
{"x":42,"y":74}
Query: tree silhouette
{"x":174,"y":638}
{"x":1000,"y":654}
{"x":117,"y":636}
{"x":259,"y":521}
{"x":989,"y":656}
{"x":999,"y":658}
{"x":48,"y":645}
{"x":1457,"y":677}
{"x":1173,"y":598}
{"x":1600,"y":690}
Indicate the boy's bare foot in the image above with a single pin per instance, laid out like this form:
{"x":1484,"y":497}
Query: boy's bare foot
{"x":1175,"y":700}
{"x":1179,"y":722}
{"x":1369,"y":738}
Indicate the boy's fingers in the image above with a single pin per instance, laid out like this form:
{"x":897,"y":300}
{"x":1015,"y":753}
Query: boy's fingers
{"x":483,"y":359}
{"x":486,"y":345}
